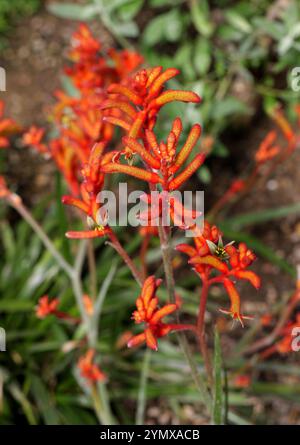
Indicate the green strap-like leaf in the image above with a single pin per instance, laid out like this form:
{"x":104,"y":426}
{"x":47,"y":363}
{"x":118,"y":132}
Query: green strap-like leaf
{"x":262,"y":216}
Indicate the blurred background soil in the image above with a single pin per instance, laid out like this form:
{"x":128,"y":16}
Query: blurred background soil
{"x":34,"y":60}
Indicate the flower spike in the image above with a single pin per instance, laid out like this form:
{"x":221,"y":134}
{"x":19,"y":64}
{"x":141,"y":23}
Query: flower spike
{"x":148,"y":313}
{"x":235,"y":307}
{"x":145,"y":92}
{"x":210,"y":255}
{"x":89,"y":370}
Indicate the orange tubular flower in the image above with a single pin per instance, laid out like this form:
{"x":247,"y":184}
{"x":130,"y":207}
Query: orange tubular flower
{"x":285,"y":338}
{"x":89,"y":370}
{"x":46,"y":307}
{"x":209,"y":234}
{"x":8,"y":127}
{"x":209,"y":255}
{"x":85,"y":46}
{"x":88,"y":304}
{"x":267,"y":150}
{"x":34,"y":138}
{"x":242,"y":381}
{"x":148,"y":313}
{"x":145,"y":92}
{"x":162,"y":157}
{"x":285,"y":127}
{"x":90,"y":187}
{"x":240,"y":259}
{"x":235,"y":308}
{"x":285,"y":344}
{"x":4,"y":191}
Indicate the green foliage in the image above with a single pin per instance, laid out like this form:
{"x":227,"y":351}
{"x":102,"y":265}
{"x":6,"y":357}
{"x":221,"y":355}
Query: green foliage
{"x":10,"y":10}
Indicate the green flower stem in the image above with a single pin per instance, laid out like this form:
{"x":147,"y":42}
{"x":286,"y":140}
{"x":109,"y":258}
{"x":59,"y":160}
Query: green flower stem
{"x":167,"y":261}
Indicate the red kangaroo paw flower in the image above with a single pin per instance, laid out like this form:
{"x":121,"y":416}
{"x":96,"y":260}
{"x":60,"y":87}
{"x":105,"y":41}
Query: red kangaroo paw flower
{"x":175,"y":183}
{"x":153,"y":74}
{"x":284,"y":125}
{"x":69,"y":200}
{"x":46,"y":306}
{"x":132,"y":171}
{"x":117,"y":121}
{"x":267,"y":150}
{"x":89,"y":370}
{"x":151,"y":340}
{"x":163,"y":312}
{"x":152,"y":141}
{"x":123,"y":106}
{"x":177,"y":127}
{"x":136,"y":147}
{"x":210,"y":261}
{"x":136,"y":340}
{"x":250,"y":276}
{"x":172,"y":95}
{"x":190,"y":143}
{"x":127,"y":92}
{"x":187,"y":249}
{"x":137,"y":124}
{"x":235,"y":308}
{"x":148,"y":313}
{"x":87,"y":234}
{"x":159,"y":82}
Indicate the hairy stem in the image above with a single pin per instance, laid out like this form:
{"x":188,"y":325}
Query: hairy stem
{"x":143,"y":252}
{"x":167,"y":261}
{"x":126,"y":258}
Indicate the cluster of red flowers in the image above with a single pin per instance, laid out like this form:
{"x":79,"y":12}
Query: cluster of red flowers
{"x":79,"y":118}
{"x":147,"y":96}
{"x":133,"y":103}
{"x":285,"y":331}
{"x":151,"y":315}
{"x":284,"y":345}
{"x":147,"y":312}
{"x":271,"y":152}
{"x":46,"y":307}
{"x":209,"y":255}
{"x":267,"y":149}
{"x":145,"y":91}
{"x":8,"y":127}
{"x":271,"y":148}
{"x":89,"y":370}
